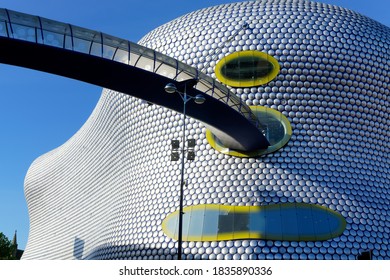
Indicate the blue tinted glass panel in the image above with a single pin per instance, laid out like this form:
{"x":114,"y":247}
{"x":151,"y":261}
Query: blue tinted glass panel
{"x":53,"y":39}
{"x":289,"y":221}
{"x":186,"y":222}
{"x":3,"y":29}
{"x":108,"y":52}
{"x":305,"y":222}
{"x":274,"y":129}
{"x":96,"y":49}
{"x":25,"y":33}
{"x":196,"y":218}
{"x":225,"y":224}
{"x":81,"y":45}
{"x":321,"y":223}
{"x":257,"y":222}
{"x":273,"y":226}
{"x":210,"y":223}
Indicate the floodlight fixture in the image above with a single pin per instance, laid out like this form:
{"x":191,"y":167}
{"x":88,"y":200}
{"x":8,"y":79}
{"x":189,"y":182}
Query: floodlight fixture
{"x":170,"y":88}
{"x":199,"y":99}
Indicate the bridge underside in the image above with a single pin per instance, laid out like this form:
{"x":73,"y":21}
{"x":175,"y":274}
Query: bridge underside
{"x":228,"y":125}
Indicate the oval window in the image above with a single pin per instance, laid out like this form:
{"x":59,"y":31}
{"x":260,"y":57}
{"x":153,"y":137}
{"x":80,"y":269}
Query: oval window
{"x":284,"y":221}
{"x":247,"y":69}
{"x":276,"y":128}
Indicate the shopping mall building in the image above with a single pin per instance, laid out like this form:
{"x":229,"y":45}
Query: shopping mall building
{"x":291,"y":138}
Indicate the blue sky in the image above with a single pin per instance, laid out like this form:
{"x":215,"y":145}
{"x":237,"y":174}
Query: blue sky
{"x":40,"y":111}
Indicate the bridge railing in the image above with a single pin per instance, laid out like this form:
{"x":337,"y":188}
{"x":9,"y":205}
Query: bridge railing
{"x":48,"y":32}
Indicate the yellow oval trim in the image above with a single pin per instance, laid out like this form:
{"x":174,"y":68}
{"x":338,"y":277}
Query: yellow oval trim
{"x":217,"y":145}
{"x":284,"y":221}
{"x":247,"y":82}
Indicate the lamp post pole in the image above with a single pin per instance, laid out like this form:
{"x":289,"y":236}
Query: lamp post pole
{"x":198,"y":99}
{"x":180,"y":236}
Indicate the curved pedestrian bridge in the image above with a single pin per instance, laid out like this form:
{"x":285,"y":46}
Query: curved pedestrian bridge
{"x":104,"y":60}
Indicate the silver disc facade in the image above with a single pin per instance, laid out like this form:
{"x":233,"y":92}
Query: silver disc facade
{"x":105,"y":193}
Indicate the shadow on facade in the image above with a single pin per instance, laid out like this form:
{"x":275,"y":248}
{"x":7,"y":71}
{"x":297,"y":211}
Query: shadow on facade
{"x":78,"y":248}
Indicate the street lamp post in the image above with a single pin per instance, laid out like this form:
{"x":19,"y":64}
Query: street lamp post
{"x":198,"y":99}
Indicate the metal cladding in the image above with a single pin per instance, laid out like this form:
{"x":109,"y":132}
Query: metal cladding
{"x":105,"y":193}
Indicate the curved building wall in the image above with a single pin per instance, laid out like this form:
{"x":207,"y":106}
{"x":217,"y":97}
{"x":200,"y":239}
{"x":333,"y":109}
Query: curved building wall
{"x":106,"y":192}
